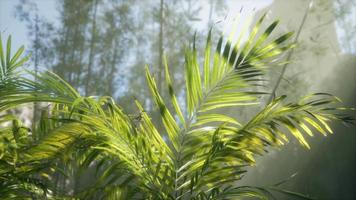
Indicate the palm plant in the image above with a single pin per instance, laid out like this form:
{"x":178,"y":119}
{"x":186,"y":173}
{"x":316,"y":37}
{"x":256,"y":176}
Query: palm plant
{"x":200,"y":153}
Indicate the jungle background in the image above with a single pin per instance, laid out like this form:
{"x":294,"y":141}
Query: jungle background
{"x":102,"y":46}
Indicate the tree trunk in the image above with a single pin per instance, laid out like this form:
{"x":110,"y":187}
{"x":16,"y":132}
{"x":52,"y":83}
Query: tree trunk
{"x":160,"y":46}
{"x":35,"y":106}
{"x":91,"y":50}
{"x":113,"y":70}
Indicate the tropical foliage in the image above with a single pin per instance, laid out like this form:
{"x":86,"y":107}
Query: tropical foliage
{"x":195,"y":152}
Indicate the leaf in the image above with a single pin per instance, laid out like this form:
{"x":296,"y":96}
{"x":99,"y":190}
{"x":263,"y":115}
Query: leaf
{"x":291,"y":194}
{"x":2,"y":59}
{"x":172,"y":94}
{"x":167,"y":119}
{"x":207,"y":118}
{"x":17,"y":55}
{"x":207,"y":61}
{"x":8,"y":52}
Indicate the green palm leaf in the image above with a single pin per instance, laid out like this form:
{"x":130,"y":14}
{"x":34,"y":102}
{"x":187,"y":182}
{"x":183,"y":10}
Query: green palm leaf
{"x":202,"y":155}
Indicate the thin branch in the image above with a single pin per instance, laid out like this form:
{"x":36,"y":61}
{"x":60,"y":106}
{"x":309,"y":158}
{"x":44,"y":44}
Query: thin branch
{"x":290,"y":53}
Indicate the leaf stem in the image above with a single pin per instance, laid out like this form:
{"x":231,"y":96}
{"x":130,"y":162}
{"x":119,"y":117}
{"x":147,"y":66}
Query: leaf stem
{"x":289,"y":56}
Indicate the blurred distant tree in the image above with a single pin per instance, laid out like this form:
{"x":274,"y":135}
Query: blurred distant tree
{"x":70,"y":41}
{"x":27,"y":11}
{"x":86,"y":47}
{"x":116,"y":36}
{"x":163,"y":28}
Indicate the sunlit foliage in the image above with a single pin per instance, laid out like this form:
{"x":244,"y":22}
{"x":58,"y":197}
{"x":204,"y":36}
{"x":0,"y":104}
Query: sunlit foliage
{"x":201,"y":153}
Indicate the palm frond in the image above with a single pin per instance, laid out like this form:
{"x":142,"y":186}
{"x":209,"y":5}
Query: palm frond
{"x":10,"y":64}
{"x":202,"y":155}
